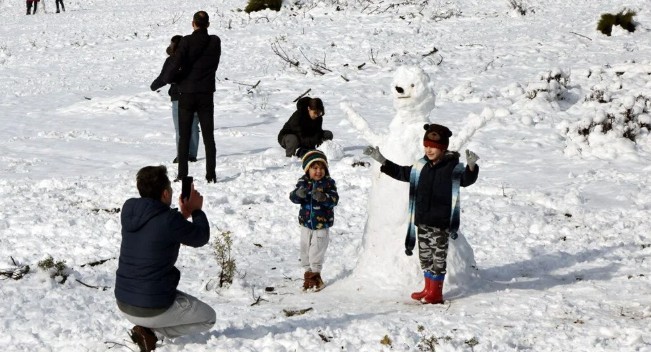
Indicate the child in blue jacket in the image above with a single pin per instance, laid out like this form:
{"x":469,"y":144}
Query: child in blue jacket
{"x":316,"y":192}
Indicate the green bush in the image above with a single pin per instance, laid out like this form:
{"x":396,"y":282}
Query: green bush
{"x":223,"y":245}
{"x":259,"y":5}
{"x":623,"y":19}
{"x":55,"y":269}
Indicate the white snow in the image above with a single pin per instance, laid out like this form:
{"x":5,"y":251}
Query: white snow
{"x":558,"y":220}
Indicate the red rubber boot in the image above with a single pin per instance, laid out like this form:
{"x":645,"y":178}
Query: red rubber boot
{"x":435,"y":294}
{"x":419,"y":295}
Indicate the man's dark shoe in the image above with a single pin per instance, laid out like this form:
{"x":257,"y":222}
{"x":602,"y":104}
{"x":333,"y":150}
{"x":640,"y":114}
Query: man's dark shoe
{"x":176,"y":160}
{"x":211,"y":178}
{"x":144,"y":338}
{"x":192,"y":159}
{"x":301,"y":151}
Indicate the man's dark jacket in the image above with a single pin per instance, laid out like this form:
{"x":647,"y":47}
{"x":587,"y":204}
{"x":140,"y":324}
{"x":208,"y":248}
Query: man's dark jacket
{"x":152,"y":233}
{"x":434,"y":192}
{"x":195,"y":62}
{"x":308,"y":131}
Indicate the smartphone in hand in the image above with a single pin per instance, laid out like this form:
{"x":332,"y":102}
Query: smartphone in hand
{"x":186,"y":187}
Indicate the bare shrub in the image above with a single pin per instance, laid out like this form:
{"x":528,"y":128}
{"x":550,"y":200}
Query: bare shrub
{"x":552,"y":85}
{"x":518,"y":6}
{"x":629,"y":118}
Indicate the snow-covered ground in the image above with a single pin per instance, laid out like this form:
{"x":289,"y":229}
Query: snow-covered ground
{"x":559,"y":221}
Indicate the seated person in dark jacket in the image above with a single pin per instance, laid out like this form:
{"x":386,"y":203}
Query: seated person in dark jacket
{"x":146,"y":279}
{"x":303,"y":131}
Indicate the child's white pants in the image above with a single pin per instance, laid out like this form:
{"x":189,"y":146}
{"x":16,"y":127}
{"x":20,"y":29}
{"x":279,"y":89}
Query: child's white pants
{"x":313,"y":248}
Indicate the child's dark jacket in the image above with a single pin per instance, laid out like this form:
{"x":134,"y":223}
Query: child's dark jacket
{"x":313,"y":214}
{"x":434,"y":192}
{"x":159,"y":82}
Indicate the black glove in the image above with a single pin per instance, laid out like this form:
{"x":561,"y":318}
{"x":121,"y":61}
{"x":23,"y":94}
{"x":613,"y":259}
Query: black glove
{"x":319,"y":196}
{"x":301,"y":192}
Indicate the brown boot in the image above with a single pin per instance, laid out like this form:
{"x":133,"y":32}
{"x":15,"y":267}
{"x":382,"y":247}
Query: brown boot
{"x":144,"y":338}
{"x":308,"y":281}
{"x":318,"y":282}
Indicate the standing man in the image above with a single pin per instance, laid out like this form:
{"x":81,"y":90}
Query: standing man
{"x":31,"y":3}
{"x":57,"y":2}
{"x":146,"y":279}
{"x":193,"y":70}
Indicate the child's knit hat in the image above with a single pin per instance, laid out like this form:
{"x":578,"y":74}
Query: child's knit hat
{"x":313,"y":156}
{"x":436,"y":136}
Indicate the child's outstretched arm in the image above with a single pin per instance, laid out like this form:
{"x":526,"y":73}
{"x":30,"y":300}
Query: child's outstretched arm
{"x":400,"y":173}
{"x":471,"y":172}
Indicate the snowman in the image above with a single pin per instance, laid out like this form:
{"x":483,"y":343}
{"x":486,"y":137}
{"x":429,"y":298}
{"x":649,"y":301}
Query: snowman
{"x":382,"y":259}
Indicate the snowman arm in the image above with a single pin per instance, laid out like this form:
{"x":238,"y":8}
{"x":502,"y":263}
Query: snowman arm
{"x":360,"y":123}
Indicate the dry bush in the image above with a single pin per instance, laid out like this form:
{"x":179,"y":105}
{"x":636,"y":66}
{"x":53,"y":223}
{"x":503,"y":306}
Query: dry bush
{"x":623,"y":19}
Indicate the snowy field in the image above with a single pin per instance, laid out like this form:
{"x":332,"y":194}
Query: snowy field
{"x":558,"y":219}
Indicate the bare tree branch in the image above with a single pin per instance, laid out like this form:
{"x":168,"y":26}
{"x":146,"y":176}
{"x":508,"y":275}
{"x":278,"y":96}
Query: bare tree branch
{"x":280,"y":52}
{"x":116,"y":344}
{"x":103,"y":288}
{"x":97,"y":262}
{"x":373,"y":57}
{"x":581,"y":35}
{"x":176,"y":17}
{"x":258,"y":300}
{"x":318,"y":67}
{"x":434,"y":51}
{"x":251,"y":86}
{"x":302,"y":95}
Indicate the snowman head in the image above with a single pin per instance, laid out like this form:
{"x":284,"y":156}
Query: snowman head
{"x":412,"y":91}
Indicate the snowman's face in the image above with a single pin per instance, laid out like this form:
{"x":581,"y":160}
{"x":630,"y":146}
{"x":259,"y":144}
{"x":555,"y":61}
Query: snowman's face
{"x":410,"y":87}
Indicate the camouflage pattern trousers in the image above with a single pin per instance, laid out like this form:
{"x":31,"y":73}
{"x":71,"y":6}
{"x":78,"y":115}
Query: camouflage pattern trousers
{"x":432,"y":249}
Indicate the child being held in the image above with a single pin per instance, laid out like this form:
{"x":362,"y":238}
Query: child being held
{"x":316,"y":192}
